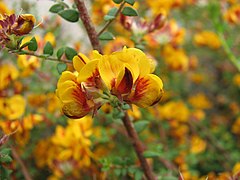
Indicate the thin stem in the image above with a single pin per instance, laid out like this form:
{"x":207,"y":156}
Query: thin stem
{"x":110,"y":21}
{"x":23,"y":52}
{"x":229,"y":52}
{"x":84,"y":16}
{"x":138,"y":146}
{"x":25,"y":172}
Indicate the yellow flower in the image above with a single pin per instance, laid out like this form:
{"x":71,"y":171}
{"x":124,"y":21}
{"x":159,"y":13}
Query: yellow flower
{"x":236,"y":79}
{"x":163,"y":6}
{"x":198,"y":145}
{"x":200,"y":101}
{"x":75,"y":103}
{"x":13,"y":107}
{"x":50,"y":37}
{"x":174,"y":111}
{"x":28,"y":64}
{"x":207,"y":38}
{"x":125,"y":75}
{"x":232,"y":14}
{"x":175,"y":59}
{"x":236,"y":126}
{"x":8,"y":73}
{"x":23,"y":24}
{"x":236,"y":168}
{"x":68,"y":150}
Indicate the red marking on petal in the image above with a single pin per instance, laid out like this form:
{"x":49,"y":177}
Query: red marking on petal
{"x":141,"y":87}
{"x":81,"y":59}
{"x":126,"y":83}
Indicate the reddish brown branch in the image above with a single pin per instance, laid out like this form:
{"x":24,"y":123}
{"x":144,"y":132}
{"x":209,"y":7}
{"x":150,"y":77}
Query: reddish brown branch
{"x":138,"y":146}
{"x":84,"y":16}
{"x":21,"y":163}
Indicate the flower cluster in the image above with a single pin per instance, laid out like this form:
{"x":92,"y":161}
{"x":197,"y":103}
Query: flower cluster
{"x":13,"y":26}
{"x":125,"y":75}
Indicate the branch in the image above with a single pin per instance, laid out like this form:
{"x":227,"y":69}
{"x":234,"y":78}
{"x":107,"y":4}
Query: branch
{"x":138,"y":146}
{"x":21,"y":163}
{"x":110,"y":21}
{"x":84,"y":16}
{"x":23,"y":52}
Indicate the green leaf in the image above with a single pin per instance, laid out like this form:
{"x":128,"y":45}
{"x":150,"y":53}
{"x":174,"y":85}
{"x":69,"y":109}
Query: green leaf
{"x":106,"y":36}
{"x":48,"y":49}
{"x":60,"y":52}
{"x":112,"y":11}
{"x":151,"y":154}
{"x":138,"y":175}
{"x":56,"y":8}
{"x":108,"y":17}
{"x":5,"y":151}
{"x":140,"y":125}
{"x":129,"y":11}
{"x":4,"y":173}
{"x":70,"y":15}
{"x":33,"y":44}
{"x":70,"y":53}
{"x":117,"y":172}
{"x":131,"y":2}
{"x":5,"y":158}
{"x":61,"y":67}
{"x":117,"y":1}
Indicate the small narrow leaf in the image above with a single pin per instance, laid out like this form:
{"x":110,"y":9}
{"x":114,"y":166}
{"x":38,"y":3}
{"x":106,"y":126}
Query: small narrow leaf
{"x":56,"y":8}
{"x":70,"y":53}
{"x":131,"y":2}
{"x":60,"y":52}
{"x":5,"y":151}
{"x":70,"y":15}
{"x":33,"y":44}
{"x":5,"y":159}
{"x":61,"y":67}
{"x":108,"y":17}
{"x":106,"y":36}
{"x":150,"y":154}
{"x":112,"y":11}
{"x":140,"y":125}
{"x":48,"y":49}
{"x":117,"y":1}
{"x":129,"y":11}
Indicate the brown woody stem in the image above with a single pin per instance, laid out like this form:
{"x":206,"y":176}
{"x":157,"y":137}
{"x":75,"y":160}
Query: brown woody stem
{"x":138,"y":146}
{"x":84,"y":16}
{"x":21,"y":163}
{"x":109,"y":22}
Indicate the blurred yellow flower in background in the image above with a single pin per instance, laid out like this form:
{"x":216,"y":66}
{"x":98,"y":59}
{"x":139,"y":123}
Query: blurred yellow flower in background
{"x":200,"y":101}
{"x":8,"y":73}
{"x":198,"y":145}
{"x":13,"y":107}
{"x":207,"y":38}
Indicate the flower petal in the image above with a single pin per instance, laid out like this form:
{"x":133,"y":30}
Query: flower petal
{"x":148,"y":91}
{"x":89,"y":71}
{"x":79,"y":61}
{"x":109,"y":68}
{"x":124,"y":81}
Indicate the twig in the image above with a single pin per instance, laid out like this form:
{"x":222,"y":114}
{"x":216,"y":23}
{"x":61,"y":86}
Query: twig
{"x":137,"y":144}
{"x":84,"y":16}
{"x":110,"y":21}
{"x":23,"y":52}
{"x":228,"y":51}
{"x":21,"y":163}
